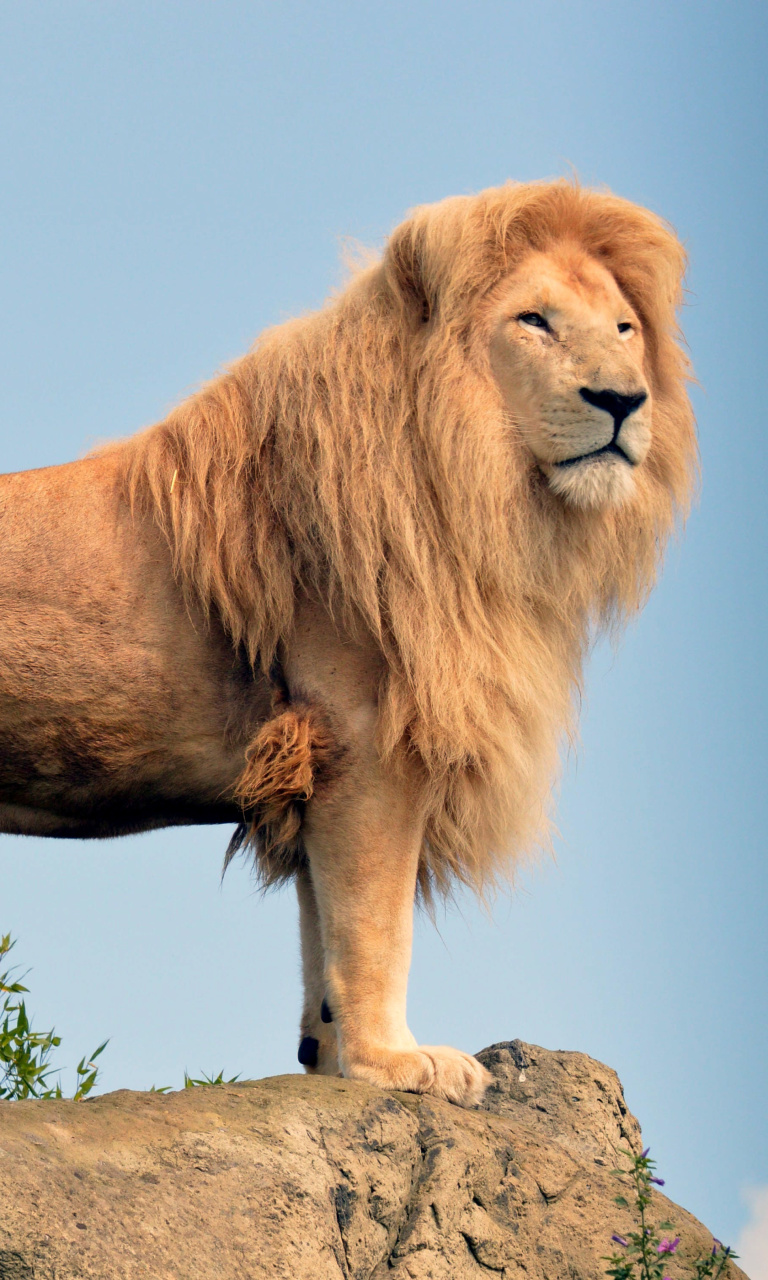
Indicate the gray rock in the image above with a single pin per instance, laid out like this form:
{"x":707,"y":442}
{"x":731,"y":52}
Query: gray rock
{"x":324,"y":1179}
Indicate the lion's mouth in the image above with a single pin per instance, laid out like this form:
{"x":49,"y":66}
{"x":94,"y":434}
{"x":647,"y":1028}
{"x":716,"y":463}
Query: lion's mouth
{"x":612,"y":447}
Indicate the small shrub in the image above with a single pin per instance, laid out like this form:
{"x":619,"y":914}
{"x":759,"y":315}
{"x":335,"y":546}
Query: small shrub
{"x":25,"y":1066}
{"x":644,"y":1253}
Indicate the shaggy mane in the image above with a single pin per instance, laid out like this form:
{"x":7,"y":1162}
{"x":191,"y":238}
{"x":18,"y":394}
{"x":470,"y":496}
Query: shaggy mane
{"x":363,"y":453}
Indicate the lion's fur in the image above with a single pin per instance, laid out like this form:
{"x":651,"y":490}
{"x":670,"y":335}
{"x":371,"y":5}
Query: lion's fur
{"x":362,"y":453}
{"x":282,"y":765}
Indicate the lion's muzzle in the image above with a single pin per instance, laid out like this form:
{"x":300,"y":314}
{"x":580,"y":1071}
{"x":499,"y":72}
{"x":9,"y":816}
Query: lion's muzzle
{"x":619,"y":406}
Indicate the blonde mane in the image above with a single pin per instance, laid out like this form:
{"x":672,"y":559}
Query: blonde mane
{"x":363,"y":454}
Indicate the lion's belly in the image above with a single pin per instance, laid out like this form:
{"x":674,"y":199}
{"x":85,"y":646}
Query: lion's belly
{"x":111,"y":819}
{"x":120,"y":709}
{"x":88,"y":720}
{"x":112,"y":764}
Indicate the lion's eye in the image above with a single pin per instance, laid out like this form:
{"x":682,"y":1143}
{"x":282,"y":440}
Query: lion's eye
{"x":533,"y":320}
{"x":625,"y":329}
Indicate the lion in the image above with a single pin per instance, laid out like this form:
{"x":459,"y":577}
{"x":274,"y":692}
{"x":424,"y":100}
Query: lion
{"x":342,"y":595}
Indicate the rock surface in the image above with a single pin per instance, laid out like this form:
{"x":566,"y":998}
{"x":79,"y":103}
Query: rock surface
{"x":324,"y":1179}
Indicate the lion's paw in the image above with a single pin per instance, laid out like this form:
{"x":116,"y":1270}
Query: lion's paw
{"x":437,"y":1070}
{"x":318,"y":1050}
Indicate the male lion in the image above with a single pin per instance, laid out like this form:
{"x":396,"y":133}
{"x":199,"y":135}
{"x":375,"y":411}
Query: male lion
{"x":341,"y":596}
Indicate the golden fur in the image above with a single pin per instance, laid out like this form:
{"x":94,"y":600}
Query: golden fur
{"x":282,"y":765}
{"x":362,"y":455}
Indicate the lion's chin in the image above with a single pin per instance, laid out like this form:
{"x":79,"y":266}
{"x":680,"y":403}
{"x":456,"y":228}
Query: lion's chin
{"x":603,"y":481}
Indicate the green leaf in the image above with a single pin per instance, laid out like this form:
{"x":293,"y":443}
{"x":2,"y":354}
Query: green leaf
{"x":208,"y":1081}
{"x":24,"y":1053}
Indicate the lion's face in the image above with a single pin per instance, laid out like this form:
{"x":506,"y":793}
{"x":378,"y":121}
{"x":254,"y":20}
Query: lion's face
{"x":567,"y":352}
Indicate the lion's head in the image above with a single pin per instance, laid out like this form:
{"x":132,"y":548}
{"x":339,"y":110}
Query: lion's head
{"x":476,"y":453}
{"x":567,"y":298}
{"x":567,"y":352}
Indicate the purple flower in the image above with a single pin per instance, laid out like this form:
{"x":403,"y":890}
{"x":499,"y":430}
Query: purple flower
{"x":643,"y":1154}
{"x":619,"y":1240}
{"x":668,"y":1246}
{"x":716,"y":1244}
{"x":659,"y":1181}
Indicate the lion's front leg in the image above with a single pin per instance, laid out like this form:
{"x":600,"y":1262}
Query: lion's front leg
{"x":318,"y":1048}
{"x":363,"y":846}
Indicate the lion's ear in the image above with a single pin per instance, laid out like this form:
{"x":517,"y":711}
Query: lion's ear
{"x":405,"y":260}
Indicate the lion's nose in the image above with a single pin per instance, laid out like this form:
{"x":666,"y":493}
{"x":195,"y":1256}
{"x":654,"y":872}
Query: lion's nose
{"x":619,"y":406}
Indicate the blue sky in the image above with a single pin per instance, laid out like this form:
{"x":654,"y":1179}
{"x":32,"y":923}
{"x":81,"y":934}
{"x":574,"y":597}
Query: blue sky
{"x":175,"y":177}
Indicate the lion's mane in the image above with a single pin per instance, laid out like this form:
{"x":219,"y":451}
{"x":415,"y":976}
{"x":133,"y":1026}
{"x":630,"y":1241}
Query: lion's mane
{"x":363,"y":453}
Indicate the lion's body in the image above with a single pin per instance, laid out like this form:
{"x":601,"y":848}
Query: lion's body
{"x":120,"y":708}
{"x":345,"y":591}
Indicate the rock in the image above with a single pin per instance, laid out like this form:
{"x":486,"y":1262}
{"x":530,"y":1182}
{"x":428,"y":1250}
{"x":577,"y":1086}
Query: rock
{"x":312,"y":1178}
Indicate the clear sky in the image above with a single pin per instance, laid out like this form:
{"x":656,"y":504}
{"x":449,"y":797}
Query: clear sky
{"x":175,"y":177}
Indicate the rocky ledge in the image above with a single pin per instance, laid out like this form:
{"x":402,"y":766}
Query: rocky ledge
{"x":317,"y":1179}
